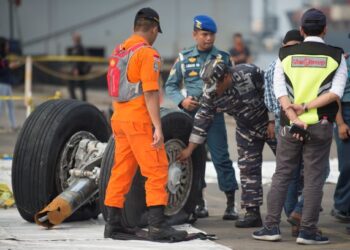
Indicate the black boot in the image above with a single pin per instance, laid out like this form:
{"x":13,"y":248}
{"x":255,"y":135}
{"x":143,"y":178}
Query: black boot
{"x":252,"y":218}
{"x":230,"y":212}
{"x":158,"y":228}
{"x":114,"y":223}
{"x":201,"y":210}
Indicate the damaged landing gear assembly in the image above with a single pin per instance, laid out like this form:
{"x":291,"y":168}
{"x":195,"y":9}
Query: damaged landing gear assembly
{"x":63,"y":159}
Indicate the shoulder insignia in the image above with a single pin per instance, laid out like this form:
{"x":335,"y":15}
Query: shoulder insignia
{"x":156,"y":58}
{"x":186,"y":51}
{"x":156,"y":66}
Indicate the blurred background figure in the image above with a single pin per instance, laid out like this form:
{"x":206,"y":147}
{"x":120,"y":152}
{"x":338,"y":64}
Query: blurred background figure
{"x":239,"y":52}
{"x":79,"y":68}
{"x":6,"y":82}
{"x":341,"y":207}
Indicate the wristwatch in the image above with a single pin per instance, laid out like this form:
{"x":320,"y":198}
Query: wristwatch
{"x":304,"y":105}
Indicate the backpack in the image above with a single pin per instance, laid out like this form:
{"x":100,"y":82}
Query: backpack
{"x":119,"y":87}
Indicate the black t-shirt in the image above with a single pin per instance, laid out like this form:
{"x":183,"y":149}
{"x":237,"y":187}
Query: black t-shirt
{"x":234,"y":52}
{"x":5,"y":72}
{"x":82,"y":67}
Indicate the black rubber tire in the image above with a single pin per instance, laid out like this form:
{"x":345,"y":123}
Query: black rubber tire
{"x":38,"y":148}
{"x":176,"y":125}
{"x":135,"y":204}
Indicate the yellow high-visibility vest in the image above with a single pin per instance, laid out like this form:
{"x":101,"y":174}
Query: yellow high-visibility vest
{"x":309,"y":69}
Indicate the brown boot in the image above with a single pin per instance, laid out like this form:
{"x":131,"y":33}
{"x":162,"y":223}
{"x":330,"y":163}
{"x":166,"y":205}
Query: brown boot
{"x":294,"y":219}
{"x":295,"y":231}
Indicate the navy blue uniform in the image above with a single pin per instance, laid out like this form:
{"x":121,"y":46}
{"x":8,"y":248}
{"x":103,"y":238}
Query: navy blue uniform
{"x":185,"y":72}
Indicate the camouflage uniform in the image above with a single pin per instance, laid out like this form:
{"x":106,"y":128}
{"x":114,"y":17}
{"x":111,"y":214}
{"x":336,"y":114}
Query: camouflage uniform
{"x":244,"y":100}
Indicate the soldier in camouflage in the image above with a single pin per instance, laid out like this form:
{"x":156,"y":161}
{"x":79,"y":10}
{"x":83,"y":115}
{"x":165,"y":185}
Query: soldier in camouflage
{"x":239,"y":92}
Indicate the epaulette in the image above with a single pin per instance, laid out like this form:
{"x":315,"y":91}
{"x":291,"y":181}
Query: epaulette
{"x":224,"y":53}
{"x":188,"y":50}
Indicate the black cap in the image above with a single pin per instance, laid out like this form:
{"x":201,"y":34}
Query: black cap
{"x":149,"y":13}
{"x":293,"y":35}
{"x":313,"y":19}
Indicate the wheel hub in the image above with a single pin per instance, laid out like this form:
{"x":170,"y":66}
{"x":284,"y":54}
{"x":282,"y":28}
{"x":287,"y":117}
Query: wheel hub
{"x":179,"y":177}
{"x":174,"y":176}
{"x":68,"y":160}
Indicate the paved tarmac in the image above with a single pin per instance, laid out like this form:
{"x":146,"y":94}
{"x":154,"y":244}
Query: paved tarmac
{"x":15,"y":233}
{"x":240,"y":239}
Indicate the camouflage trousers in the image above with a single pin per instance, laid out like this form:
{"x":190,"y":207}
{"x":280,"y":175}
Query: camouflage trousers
{"x":249,"y":162}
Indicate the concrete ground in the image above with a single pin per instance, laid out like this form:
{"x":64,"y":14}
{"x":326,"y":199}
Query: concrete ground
{"x":15,"y":233}
{"x":238,"y":239}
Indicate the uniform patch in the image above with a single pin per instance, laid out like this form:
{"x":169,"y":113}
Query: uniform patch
{"x":192,"y":59}
{"x":156,"y":66}
{"x":192,"y":65}
{"x":193,"y":73}
{"x":309,"y":61}
{"x":156,"y":58}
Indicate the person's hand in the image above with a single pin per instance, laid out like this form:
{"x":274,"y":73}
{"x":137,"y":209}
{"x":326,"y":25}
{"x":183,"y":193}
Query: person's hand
{"x":298,"y":108}
{"x":189,"y":103}
{"x":271,"y":130}
{"x":158,"y":138}
{"x":184,"y":154}
{"x":343,"y":131}
{"x":300,"y":124}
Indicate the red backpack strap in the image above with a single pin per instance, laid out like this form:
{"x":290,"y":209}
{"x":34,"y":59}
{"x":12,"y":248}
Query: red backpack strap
{"x":137,"y":46}
{"x":117,"y":49}
{"x":121,"y":51}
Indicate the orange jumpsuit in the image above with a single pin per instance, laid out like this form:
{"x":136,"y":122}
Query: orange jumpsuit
{"x":133,"y":133}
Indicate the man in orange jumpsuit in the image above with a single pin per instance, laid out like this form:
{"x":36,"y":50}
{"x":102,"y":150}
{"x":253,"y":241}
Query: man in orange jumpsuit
{"x":137,"y":131}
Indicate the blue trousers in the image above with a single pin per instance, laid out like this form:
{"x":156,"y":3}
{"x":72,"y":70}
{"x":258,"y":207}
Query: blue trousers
{"x":342,"y":190}
{"x":292,"y":202}
{"x":218,"y":148}
{"x":6,"y":90}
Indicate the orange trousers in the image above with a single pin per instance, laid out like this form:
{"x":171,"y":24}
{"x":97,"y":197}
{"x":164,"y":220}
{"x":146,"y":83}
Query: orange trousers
{"x":132,"y":149}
